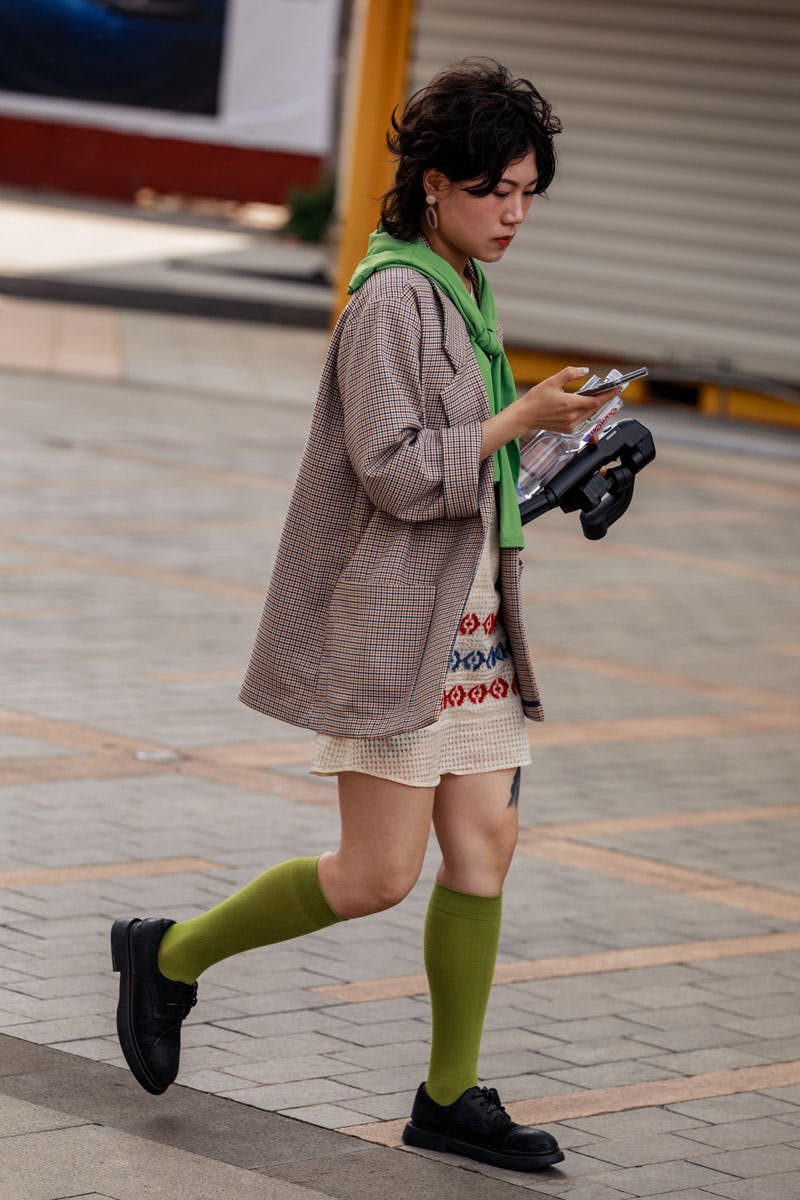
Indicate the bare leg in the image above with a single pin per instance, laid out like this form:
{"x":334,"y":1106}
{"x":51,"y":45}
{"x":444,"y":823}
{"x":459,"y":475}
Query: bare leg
{"x":384,"y":834}
{"x":476,"y":823}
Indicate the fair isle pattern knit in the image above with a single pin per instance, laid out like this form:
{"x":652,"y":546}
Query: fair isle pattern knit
{"x":481,"y":725}
{"x":469,"y":657}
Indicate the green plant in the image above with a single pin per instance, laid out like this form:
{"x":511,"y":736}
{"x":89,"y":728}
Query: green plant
{"x":310,"y":211}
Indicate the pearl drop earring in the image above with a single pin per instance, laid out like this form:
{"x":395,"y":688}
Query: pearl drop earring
{"x":431,"y":215}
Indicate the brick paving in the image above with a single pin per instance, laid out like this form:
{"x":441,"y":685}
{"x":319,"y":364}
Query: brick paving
{"x":143,"y":501}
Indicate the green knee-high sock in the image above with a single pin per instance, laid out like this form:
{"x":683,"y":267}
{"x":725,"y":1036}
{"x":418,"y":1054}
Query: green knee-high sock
{"x":461,"y":936}
{"x":283,"y":903}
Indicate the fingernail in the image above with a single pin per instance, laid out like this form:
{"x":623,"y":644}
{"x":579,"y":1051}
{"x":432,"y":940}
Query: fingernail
{"x":583,"y":370}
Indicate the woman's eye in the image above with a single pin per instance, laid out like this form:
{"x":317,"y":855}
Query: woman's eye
{"x":502,"y":195}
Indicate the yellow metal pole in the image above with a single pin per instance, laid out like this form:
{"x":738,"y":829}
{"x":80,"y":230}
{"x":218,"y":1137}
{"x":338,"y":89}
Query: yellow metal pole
{"x":376,"y":85}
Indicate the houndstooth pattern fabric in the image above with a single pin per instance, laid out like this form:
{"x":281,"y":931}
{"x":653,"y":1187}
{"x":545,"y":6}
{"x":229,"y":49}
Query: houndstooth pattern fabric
{"x":481,"y":726}
{"x":385,"y":526}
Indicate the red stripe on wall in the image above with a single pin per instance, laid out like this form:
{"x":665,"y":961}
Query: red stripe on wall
{"x":106,"y":163}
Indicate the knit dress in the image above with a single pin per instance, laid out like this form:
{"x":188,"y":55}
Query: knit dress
{"x":481,"y":725}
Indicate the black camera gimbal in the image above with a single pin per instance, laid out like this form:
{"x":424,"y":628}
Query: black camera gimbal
{"x":601,"y":495}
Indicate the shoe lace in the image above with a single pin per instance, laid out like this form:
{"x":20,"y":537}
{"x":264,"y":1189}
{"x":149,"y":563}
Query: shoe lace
{"x":489,"y":1100}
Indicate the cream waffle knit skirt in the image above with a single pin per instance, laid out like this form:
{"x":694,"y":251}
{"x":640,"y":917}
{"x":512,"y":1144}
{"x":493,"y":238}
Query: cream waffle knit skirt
{"x":481,"y":726}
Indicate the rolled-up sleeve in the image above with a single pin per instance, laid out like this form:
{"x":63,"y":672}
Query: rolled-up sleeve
{"x":410,"y":471}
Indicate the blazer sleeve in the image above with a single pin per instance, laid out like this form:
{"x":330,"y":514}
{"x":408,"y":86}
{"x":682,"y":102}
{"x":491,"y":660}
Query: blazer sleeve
{"x":412,"y":472}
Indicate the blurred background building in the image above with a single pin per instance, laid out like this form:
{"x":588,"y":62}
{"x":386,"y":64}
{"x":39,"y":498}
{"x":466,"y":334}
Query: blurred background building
{"x":672,"y":232}
{"x":218,"y":98}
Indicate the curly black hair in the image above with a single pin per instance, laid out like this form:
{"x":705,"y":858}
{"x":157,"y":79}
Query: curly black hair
{"x":469,"y":122}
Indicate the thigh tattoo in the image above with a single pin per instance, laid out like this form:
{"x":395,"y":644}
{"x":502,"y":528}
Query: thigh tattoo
{"x":514,"y":798}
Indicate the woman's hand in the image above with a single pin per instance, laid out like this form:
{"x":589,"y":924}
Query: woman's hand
{"x":548,"y":406}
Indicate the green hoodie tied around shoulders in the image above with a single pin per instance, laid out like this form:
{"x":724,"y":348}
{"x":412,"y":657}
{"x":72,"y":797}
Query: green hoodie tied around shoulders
{"x":481,"y":321}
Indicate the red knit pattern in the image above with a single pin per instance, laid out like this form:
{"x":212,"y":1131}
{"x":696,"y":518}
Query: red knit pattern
{"x":498,"y":689}
{"x":471,"y":621}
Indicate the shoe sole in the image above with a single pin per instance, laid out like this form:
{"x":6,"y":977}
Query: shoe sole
{"x":121,"y":959}
{"x":427,"y":1139}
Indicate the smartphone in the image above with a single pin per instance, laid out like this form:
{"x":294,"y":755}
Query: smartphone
{"x":596,"y":389}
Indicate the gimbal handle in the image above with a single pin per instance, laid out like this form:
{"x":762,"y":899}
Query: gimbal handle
{"x":588,"y":483}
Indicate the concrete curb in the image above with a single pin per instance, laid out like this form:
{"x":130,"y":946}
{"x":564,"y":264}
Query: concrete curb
{"x":227,"y":1131}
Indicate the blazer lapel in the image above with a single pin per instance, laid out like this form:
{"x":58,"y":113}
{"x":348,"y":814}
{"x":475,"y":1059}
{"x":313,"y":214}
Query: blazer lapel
{"x":455,"y":339}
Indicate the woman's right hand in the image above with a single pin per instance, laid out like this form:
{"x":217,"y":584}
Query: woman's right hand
{"x":548,"y":406}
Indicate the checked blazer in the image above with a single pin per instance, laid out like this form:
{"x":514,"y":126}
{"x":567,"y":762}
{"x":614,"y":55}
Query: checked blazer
{"x":385,"y":526}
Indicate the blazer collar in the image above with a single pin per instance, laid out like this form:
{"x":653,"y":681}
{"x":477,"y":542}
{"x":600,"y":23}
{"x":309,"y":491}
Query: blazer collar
{"x":455,"y":339}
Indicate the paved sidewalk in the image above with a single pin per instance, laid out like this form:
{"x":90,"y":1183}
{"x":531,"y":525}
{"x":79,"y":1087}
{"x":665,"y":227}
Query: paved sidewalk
{"x":646,"y":1003}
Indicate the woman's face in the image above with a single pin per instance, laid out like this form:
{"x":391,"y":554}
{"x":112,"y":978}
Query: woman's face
{"x":479,"y":227}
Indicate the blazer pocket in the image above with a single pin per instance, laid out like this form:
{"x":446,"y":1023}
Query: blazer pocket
{"x":374,"y":645}
{"x":464,"y":398}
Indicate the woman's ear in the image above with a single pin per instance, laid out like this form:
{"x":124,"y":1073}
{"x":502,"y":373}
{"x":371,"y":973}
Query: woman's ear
{"x":435,"y":183}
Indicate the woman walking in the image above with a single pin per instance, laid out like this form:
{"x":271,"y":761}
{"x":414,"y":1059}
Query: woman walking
{"x":392,"y":622}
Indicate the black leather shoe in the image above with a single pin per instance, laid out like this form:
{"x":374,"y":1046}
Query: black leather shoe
{"x":477,"y":1125}
{"x":151,"y":1007}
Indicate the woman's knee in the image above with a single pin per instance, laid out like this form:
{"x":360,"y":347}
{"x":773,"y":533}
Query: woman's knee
{"x":494,"y":841}
{"x":479,"y":861}
{"x":378,"y":891}
{"x":364,"y":891}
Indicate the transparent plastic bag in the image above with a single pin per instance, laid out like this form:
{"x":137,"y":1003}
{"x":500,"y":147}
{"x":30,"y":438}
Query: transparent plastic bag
{"x":546,"y":453}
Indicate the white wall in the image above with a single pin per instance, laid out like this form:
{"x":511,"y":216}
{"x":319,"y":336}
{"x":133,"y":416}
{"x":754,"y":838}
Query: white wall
{"x":277,"y":85}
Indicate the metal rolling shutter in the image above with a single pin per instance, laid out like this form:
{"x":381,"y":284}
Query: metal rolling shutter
{"x":671,"y":234}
